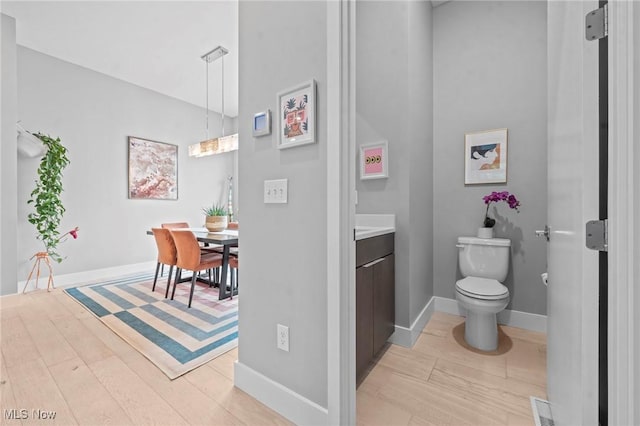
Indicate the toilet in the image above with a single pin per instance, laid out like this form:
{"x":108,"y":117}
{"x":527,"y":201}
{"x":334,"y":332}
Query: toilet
{"x":484,"y":262}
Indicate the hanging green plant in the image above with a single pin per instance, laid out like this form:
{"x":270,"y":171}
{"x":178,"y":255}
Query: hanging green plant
{"x":46,"y":195}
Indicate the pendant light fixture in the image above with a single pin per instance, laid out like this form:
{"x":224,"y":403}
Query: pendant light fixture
{"x":223,"y":143}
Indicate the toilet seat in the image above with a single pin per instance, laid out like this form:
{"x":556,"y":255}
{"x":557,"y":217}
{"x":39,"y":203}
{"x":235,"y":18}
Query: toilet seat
{"x":482,"y":288}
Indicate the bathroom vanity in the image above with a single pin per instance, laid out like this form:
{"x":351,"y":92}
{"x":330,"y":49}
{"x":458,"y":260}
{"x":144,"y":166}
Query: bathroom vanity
{"x":375,"y":292}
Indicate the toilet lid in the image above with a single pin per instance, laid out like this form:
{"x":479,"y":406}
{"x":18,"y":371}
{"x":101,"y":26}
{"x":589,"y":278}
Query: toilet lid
{"x":482,"y":288}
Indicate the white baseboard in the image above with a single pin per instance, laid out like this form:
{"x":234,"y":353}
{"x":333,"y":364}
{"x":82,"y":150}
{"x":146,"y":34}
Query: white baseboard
{"x":288,"y":403}
{"x":407,"y":337}
{"x":533,"y":322}
{"x":77,"y":278}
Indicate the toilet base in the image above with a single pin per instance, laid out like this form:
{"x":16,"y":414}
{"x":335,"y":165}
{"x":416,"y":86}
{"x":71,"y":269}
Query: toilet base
{"x":481,"y":331}
{"x":481,"y":325}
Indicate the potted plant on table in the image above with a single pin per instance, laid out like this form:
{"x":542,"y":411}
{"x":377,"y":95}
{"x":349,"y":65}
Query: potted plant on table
{"x":217,"y":219}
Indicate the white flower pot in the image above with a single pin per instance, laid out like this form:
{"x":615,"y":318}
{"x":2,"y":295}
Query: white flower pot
{"x":485,"y":232}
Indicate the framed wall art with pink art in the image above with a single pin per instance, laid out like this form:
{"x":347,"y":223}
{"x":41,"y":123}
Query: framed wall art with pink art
{"x":374,"y":161}
{"x":297,"y":115}
{"x":153,"y":170}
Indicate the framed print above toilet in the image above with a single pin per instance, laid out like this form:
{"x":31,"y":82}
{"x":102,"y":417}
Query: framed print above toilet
{"x":485,"y":157}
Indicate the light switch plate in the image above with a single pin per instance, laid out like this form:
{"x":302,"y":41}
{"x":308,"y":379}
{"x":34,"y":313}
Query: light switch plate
{"x":276,"y":191}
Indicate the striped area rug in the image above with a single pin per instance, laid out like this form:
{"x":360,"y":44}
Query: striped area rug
{"x":174,"y":337}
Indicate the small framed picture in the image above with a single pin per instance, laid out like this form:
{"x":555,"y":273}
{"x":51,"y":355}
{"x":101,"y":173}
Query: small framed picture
{"x":374,"y":161}
{"x":297,"y":115}
{"x":485,"y":157}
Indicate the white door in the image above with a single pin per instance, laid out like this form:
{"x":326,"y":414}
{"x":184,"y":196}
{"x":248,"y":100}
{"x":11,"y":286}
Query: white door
{"x":572,"y":298}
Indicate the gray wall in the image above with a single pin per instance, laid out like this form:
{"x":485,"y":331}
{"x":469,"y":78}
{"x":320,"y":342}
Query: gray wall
{"x":394,"y":103}
{"x":8,"y":157}
{"x":490,"y":72}
{"x":420,"y":125}
{"x":636,"y":132}
{"x":93,"y":114}
{"x":283,"y":245}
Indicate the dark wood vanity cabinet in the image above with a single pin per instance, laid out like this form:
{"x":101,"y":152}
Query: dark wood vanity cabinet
{"x":375,"y":298}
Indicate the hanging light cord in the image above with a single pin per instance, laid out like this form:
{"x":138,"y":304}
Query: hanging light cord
{"x":206,"y":59}
{"x":206,"y":79}
{"x":222,"y":94}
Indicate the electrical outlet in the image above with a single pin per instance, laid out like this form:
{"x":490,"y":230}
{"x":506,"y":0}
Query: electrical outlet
{"x":283,"y":337}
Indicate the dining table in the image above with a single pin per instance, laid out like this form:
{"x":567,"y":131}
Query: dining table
{"x":227,"y":238}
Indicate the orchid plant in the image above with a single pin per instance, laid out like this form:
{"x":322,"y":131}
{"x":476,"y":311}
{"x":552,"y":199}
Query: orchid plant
{"x":496,"y":197}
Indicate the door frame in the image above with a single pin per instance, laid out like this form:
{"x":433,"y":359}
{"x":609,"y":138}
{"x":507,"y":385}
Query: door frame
{"x":341,"y":165}
{"x":624,"y":233}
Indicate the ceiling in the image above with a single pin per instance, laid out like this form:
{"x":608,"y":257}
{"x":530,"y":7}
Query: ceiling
{"x":156,"y":45}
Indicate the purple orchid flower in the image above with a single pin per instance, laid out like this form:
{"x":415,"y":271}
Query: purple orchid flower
{"x":496,"y":197}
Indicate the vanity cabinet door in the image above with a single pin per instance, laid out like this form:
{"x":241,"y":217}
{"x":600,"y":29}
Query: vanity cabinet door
{"x":375,"y":298}
{"x":364,"y":319}
{"x":384,"y":302}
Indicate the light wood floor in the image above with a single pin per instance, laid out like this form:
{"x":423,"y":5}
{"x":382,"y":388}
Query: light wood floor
{"x":57,"y":357}
{"x":442,"y":381}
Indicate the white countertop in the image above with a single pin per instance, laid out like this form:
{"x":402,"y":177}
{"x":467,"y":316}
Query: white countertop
{"x":373,"y":225}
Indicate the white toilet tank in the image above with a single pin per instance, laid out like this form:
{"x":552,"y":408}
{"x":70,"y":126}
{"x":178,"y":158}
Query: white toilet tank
{"x":484,"y":257}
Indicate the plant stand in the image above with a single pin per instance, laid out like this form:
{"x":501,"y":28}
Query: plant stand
{"x":41,"y":256}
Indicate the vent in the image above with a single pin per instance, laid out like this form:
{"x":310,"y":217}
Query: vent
{"x":541,"y":412}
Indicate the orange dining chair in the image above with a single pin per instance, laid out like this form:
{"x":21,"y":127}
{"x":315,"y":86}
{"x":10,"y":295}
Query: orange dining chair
{"x":206,"y":248}
{"x":172,"y":225}
{"x":167,"y":254}
{"x":190,"y":258}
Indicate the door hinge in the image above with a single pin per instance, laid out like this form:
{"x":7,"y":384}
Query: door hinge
{"x":597,"y":235}
{"x":597,"y":23}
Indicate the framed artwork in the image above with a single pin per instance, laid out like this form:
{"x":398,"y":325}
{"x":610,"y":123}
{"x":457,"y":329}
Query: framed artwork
{"x":374,"y":161}
{"x":485,"y":157}
{"x":297,"y":115}
{"x":153,"y":170}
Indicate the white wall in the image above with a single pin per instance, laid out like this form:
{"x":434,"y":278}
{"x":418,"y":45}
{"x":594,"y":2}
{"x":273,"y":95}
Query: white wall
{"x":283,"y":245}
{"x":93,"y":114}
{"x":8,"y":157}
{"x":394,"y":103}
{"x":490,"y":71}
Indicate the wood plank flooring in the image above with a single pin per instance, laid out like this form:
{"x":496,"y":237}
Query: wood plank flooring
{"x":55,"y":356}
{"x":443,"y":381}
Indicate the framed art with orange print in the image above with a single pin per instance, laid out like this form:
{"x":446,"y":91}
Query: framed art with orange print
{"x":297,"y":115}
{"x":485,"y":157}
{"x":374,"y":162}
